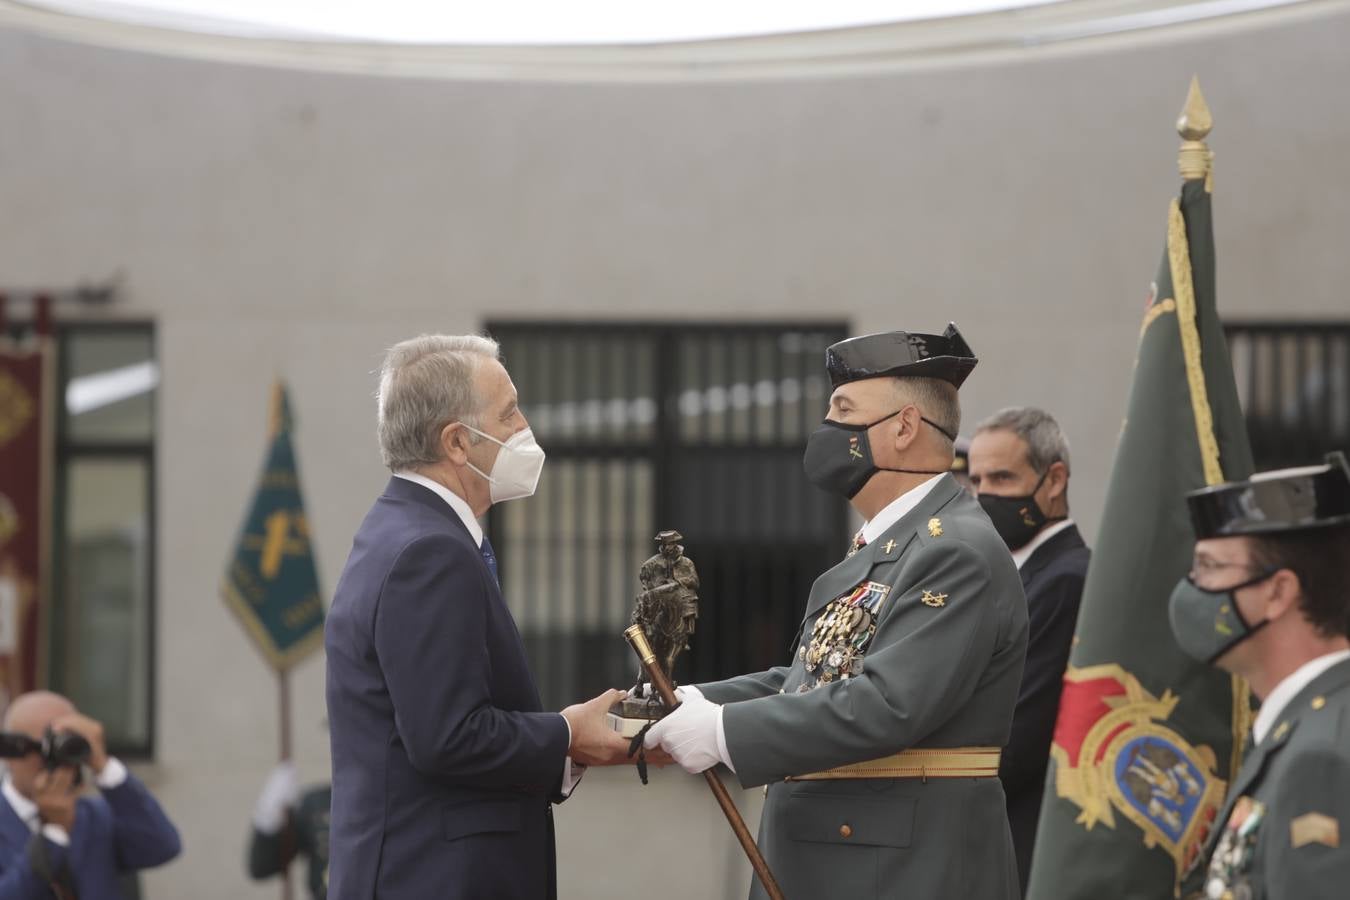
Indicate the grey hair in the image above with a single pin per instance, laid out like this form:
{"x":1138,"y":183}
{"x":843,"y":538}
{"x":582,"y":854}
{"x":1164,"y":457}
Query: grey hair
{"x":1046,"y":443}
{"x":936,"y":399}
{"x":426,"y":383}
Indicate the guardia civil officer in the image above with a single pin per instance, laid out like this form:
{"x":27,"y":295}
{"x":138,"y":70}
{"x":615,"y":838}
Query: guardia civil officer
{"x":880,"y":739}
{"x":288,"y":823}
{"x":1267,"y":599}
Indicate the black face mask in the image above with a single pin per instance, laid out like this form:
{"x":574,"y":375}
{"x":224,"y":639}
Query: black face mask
{"x":1017,"y":519}
{"x":1207,"y":624}
{"x":838,"y":457}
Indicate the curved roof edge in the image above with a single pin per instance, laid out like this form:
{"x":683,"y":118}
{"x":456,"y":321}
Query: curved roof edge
{"x":986,"y":37}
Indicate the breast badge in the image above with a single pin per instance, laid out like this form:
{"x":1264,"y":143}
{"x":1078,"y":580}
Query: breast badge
{"x":931,"y":599}
{"x":841,"y":635}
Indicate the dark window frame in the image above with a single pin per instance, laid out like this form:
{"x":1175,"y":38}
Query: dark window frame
{"x":668,"y":445}
{"x":1277,"y":442}
{"x":69,"y":450}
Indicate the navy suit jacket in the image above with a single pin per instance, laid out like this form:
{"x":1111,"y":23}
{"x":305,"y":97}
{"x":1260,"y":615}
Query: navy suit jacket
{"x":121,"y":830}
{"x":1053,"y":580}
{"x":444,"y":765}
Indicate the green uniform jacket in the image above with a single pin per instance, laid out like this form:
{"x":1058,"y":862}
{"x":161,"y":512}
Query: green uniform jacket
{"x":942,"y":669}
{"x":1284,"y":833}
{"x":267,"y":856}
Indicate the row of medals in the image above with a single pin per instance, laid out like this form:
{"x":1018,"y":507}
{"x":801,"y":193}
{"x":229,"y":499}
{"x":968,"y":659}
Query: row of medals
{"x":1233,"y":856}
{"x":839,"y":638}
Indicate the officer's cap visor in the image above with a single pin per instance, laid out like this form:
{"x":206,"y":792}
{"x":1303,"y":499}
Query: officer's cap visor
{"x":1274,"y":502}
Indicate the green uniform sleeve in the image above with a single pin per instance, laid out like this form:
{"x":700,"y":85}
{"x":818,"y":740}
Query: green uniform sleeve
{"x":1311,"y":808}
{"x":265,"y":856}
{"x":745,"y":687}
{"x":924,"y":662}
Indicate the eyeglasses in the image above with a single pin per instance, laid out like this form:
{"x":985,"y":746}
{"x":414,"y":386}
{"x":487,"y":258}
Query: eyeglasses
{"x":1204,"y":569}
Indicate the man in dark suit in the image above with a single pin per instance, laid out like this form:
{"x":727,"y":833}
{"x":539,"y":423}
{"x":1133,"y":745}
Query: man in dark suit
{"x":56,"y":843}
{"x":1019,"y":464}
{"x":444,"y":763}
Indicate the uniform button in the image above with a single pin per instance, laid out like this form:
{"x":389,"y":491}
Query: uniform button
{"x":846,"y":831}
{"x":1319,"y":702}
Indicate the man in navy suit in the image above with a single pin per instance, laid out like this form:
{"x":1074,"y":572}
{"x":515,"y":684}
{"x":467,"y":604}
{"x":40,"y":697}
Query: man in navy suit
{"x":55,"y":842}
{"x":1019,"y":464}
{"x":445,"y":766}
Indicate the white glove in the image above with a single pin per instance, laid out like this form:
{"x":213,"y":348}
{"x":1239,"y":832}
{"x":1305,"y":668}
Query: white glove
{"x":280,"y":792}
{"x":691,"y":733}
{"x":645,"y":690}
{"x":681,"y":693}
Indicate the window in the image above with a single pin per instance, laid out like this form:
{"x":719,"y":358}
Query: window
{"x":101,"y":631}
{"x":1294,"y":383}
{"x":651,"y":427}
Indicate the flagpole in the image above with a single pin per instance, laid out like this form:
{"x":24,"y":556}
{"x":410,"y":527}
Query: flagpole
{"x":288,"y":825}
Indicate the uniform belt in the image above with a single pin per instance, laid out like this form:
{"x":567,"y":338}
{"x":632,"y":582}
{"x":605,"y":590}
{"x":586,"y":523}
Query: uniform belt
{"x":919,"y":762}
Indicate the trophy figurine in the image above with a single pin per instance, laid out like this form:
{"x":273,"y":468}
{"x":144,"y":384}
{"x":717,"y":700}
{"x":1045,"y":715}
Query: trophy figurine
{"x":666,"y":610}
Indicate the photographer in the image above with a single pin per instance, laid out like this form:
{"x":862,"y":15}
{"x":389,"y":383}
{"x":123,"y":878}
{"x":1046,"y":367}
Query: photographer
{"x":55,"y":842}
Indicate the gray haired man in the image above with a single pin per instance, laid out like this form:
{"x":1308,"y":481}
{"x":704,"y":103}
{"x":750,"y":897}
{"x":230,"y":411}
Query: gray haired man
{"x":1019,"y":464}
{"x":445,"y":764}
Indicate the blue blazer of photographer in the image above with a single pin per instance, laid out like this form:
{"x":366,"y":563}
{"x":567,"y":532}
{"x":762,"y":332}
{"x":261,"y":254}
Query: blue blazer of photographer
{"x":67,"y":844}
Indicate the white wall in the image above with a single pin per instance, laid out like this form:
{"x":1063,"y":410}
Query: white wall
{"x":295,"y":223}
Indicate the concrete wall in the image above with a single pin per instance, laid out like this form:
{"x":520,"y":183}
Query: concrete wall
{"x":277,"y":222}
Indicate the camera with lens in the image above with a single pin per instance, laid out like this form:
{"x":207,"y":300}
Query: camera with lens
{"x":57,"y":748}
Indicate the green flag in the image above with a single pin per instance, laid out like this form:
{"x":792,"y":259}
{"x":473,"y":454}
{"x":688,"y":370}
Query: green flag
{"x":271,"y":583}
{"x":1147,"y":738}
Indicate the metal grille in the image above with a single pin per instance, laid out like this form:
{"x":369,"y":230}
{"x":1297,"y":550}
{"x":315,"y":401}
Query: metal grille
{"x":1293,"y":379}
{"x":648,"y":427}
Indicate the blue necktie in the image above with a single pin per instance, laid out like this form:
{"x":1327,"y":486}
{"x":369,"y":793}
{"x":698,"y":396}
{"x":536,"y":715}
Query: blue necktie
{"x":490,"y":558}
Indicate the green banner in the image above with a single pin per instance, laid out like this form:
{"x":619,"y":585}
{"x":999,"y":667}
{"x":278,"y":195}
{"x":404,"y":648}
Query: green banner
{"x":271,"y":582}
{"x":1147,"y":738}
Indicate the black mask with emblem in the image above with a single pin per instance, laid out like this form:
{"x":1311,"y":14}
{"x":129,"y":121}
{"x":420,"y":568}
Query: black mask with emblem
{"x":1207,"y":623}
{"x":838,"y":456}
{"x":839,"y":459}
{"x":1017,"y":519}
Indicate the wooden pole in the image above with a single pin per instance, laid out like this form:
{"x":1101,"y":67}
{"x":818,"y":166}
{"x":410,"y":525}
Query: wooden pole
{"x":661,"y":684}
{"x":287,"y":826}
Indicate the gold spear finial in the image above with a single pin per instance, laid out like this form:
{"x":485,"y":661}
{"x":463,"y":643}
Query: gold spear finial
{"x":1195,"y":160}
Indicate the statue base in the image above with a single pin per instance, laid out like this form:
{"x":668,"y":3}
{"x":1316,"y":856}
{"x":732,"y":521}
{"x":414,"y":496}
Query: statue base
{"x":628,"y":717}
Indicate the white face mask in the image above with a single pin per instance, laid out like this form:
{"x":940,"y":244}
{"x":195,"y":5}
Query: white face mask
{"x":515,"y":473}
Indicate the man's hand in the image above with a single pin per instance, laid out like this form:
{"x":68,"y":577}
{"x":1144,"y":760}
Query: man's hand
{"x":91,"y":731}
{"x":689,"y":734}
{"x":55,"y":795}
{"x":594,"y":743}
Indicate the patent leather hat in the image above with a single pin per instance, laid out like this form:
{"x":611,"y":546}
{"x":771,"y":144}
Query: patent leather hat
{"x":1274,"y":502}
{"x":945,"y":356}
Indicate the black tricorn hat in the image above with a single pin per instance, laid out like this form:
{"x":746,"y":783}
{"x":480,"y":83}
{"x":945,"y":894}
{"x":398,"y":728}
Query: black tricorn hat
{"x":946,"y":356}
{"x":1273,"y":502}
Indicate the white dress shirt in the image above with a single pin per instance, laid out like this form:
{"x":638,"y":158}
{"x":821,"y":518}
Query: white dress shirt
{"x":114,"y":774}
{"x":571,"y":771}
{"x":1023,"y":553}
{"x":897,"y":508}
{"x":1286,"y":690}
